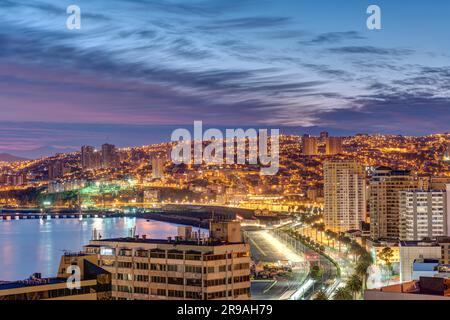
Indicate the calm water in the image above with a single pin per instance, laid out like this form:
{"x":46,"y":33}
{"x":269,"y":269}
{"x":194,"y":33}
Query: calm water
{"x":28,"y":246}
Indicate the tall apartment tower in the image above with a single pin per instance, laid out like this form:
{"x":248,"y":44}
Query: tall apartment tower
{"x":345,"y":195}
{"x":90,"y":158}
{"x":87,"y":156}
{"x":446,"y":155}
{"x":310,"y":145}
{"x":109,"y":155}
{"x":384,"y":201}
{"x":423,"y":214}
{"x":158,"y":168}
{"x":333,"y":145}
{"x":57,"y":170}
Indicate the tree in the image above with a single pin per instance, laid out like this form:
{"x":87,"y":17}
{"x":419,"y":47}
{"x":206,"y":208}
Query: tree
{"x":362,"y":271}
{"x":342,"y":294}
{"x":321,"y":295}
{"x":386,"y":256}
{"x":354,"y":285}
{"x":316,"y":273}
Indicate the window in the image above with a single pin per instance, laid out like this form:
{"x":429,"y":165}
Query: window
{"x":141,"y":266}
{"x":193,"y":295}
{"x":141,"y":253}
{"x":124,"y":289}
{"x":193,"y":269}
{"x":158,"y":292}
{"x":215,"y":282}
{"x":208,"y":270}
{"x":125,"y":252}
{"x":178,"y":281}
{"x":217,"y":295}
{"x":176,"y":293}
{"x":194,"y":282}
{"x":158,"y":254}
{"x":126,"y":265}
{"x":158,"y":279}
{"x":191,"y":256}
{"x":141,"y":278}
{"x":241,"y":266}
{"x":241,"y":279}
{"x":238,"y":292}
{"x":158,"y":267}
{"x":124,"y":276}
{"x":141,"y":290}
{"x":172,"y":267}
{"x":175,"y":255}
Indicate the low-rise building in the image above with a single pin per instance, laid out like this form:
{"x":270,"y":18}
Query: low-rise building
{"x":179,"y":268}
{"x":411,"y":251}
{"x":94,"y":282}
{"x":427,"y":288}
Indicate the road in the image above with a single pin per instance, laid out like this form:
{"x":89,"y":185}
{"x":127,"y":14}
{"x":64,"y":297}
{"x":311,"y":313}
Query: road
{"x":265,"y":247}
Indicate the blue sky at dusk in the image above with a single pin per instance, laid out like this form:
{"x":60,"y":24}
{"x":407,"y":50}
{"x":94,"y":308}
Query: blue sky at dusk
{"x":137,"y":69}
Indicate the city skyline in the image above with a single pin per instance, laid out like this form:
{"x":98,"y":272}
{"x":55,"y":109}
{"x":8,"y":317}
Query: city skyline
{"x":137,"y":70}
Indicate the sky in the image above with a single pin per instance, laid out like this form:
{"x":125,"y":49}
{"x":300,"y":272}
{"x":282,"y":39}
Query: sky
{"x":138,"y":69}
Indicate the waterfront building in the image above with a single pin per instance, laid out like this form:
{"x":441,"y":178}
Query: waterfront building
{"x":94,"y":284}
{"x":384,"y":202}
{"x":345,"y":195}
{"x":181,"y":268}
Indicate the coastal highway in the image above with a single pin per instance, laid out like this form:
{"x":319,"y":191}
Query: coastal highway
{"x":266,"y":248}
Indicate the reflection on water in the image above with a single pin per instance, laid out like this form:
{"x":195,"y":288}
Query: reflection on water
{"x":29,"y":246}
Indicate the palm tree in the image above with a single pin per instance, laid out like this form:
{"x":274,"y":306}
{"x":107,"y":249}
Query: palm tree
{"x":362,"y":271}
{"x":354,"y":285}
{"x":342,"y":294}
{"x":321,"y":295}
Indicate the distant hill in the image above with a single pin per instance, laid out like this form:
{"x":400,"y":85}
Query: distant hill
{"x":6,"y":157}
{"x":45,"y":151}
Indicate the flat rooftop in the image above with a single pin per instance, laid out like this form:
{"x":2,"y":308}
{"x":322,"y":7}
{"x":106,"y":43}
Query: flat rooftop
{"x":169,"y":242}
{"x":30,"y":283}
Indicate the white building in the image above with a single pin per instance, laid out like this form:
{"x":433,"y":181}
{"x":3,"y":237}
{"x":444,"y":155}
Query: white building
{"x":423,"y":214}
{"x":411,"y":251}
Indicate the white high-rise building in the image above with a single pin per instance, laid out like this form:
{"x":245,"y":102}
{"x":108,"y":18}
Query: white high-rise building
{"x":345,"y":195}
{"x":423,"y":214}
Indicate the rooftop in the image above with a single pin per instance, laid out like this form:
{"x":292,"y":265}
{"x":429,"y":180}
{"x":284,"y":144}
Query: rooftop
{"x":30,"y":283}
{"x":193,"y":242}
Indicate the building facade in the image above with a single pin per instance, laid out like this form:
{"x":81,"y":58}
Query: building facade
{"x":176,"y":269}
{"x":411,"y":251}
{"x":345,"y":195}
{"x":384,"y":201}
{"x":310,"y":145}
{"x":333,"y":146}
{"x":423,"y":214}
